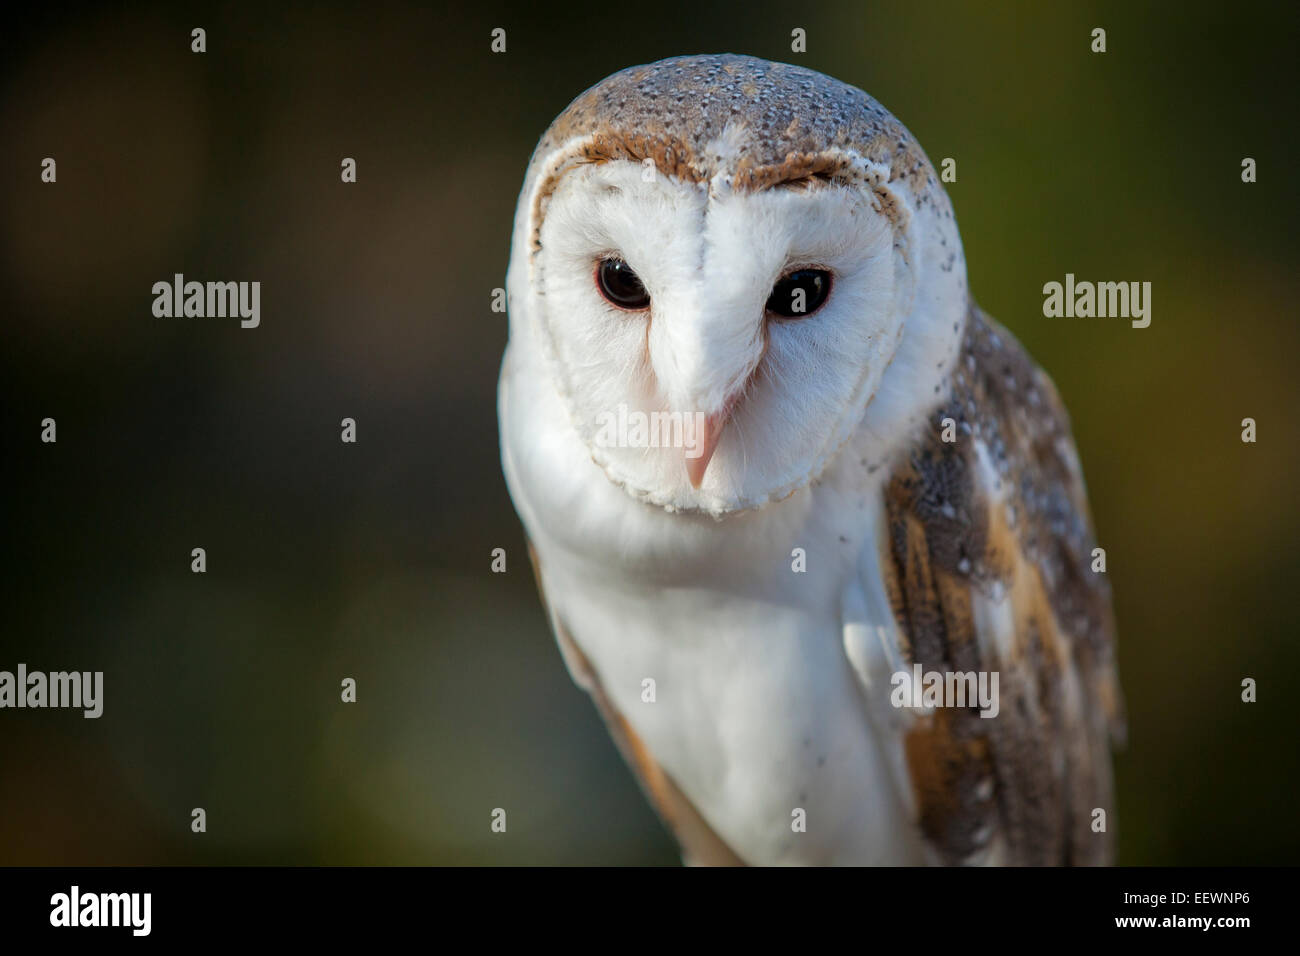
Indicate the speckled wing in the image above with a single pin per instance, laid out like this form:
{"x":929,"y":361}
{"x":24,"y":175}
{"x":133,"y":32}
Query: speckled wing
{"x":986,"y":558}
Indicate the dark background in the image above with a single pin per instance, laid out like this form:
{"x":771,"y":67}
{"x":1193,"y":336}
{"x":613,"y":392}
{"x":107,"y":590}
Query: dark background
{"x":328,"y":560}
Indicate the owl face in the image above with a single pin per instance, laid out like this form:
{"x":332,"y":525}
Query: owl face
{"x":728,"y":268}
{"x":715,"y":347}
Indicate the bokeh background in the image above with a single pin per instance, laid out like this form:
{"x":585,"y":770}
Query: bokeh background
{"x":371,"y":560}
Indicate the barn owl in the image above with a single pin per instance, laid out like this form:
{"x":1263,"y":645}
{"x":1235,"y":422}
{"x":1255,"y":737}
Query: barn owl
{"x":870,"y":484}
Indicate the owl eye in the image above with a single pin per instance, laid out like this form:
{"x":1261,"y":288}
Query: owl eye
{"x":800,"y":293}
{"x":621,"y":286}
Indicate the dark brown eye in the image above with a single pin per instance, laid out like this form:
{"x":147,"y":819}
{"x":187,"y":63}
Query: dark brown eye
{"x":621,"y":286}
{"x":799,"y":294}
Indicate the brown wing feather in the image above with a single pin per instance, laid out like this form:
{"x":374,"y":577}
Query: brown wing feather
{"x":1020,"y":787}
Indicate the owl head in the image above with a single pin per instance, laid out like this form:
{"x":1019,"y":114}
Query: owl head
{"x":730,"y":267}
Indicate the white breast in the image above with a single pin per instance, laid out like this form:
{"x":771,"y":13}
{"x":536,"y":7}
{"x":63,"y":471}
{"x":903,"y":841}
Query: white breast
{"x":757,"y":712}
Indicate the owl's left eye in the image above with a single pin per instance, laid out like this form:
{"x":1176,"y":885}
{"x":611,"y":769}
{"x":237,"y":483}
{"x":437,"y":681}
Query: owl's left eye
{"x":799,"y":293}
{"x":621,"y":286}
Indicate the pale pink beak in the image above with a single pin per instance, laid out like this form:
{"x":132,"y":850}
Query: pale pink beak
{"x":696,"y":467}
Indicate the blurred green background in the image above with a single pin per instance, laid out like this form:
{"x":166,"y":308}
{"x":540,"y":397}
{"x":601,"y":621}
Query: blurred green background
{"x":371,"y":560}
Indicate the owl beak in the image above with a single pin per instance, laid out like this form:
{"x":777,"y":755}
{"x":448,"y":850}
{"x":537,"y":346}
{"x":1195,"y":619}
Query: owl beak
{"x":698,"y":463}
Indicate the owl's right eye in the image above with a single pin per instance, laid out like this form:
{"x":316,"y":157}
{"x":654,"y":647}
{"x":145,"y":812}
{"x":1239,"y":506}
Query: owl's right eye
{"x":620,"y":286}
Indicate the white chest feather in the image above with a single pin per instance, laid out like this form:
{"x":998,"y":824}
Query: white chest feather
{"x":757,"y":713}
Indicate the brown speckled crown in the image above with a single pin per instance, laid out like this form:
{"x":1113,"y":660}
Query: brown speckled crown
{"x":755,"y":122}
